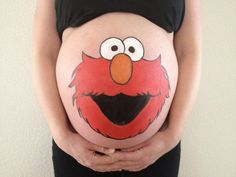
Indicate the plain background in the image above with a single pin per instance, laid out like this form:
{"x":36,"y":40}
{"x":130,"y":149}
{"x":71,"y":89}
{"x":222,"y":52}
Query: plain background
{"x":209,"y":141}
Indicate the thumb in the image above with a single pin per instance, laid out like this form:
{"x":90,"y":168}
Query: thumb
{"x":103,"y":150}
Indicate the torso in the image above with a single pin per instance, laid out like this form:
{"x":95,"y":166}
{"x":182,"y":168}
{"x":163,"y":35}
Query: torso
{"x":88,"y":38}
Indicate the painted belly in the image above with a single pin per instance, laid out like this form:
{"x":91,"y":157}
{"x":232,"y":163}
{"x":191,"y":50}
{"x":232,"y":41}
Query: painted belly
{"x":114,"y":93}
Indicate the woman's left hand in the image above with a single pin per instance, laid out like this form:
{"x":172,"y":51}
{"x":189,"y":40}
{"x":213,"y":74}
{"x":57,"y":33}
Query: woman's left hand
{"x":141,"y":156}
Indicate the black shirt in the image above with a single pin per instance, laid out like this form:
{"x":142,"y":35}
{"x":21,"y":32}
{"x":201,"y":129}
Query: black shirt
{"x":167,"y":14}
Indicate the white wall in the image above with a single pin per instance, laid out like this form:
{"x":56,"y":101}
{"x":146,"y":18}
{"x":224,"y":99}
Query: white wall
{"x":209,"y":141}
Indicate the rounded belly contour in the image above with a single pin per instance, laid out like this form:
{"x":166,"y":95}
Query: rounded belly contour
{"x":117,"y":76}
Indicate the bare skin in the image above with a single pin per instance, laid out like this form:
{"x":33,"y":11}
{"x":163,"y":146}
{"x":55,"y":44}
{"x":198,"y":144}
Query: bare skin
{"x":46,"y":46}
{"x":187,"y":43}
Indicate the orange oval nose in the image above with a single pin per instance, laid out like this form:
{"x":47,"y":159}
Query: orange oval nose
{"x":121,"y":68}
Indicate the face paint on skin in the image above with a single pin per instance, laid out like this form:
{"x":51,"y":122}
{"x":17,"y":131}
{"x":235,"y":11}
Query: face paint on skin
{"x":120,"y":93}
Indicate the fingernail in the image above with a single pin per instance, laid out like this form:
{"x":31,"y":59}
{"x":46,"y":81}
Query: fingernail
{"x":111,"y":150}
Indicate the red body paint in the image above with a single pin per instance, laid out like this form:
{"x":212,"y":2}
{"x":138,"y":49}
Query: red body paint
{"x":92,"y":77}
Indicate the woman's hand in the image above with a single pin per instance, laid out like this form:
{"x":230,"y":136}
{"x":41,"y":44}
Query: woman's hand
{"x":88,"y":154}
{"x":141,"y":156}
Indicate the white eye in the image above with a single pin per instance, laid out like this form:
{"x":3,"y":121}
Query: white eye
{"x":111,"y":47}
{"x":133,"y":48}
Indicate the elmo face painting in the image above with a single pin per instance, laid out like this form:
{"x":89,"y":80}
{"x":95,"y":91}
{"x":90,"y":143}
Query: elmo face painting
{"x":120,"y":93}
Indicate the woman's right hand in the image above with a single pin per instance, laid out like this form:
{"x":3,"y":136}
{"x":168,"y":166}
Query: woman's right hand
{"x":86,"y":153}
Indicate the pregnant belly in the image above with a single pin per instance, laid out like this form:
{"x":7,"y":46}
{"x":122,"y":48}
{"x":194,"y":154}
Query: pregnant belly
{"x":116,"y":76}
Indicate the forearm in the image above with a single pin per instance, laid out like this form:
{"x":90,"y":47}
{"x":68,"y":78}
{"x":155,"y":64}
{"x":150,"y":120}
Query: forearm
{"x":186,"y":91}
{"x":45,"y":86}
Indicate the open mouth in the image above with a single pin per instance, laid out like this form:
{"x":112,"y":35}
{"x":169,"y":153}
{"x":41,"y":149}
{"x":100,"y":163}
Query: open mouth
{"x":121,"y":109}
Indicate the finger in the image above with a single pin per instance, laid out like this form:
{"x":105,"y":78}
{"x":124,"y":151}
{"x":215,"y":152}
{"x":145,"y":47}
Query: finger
{"x":134,"y":148}
{"x":117,"y":166}
{"x":134,"y":164}
{"x":141,"y":166}
{"x":128,"y":156}
{"x":106,"y":168}
{"x":125,"y":165}
{"x":135,"y":168}
{"x":130,"y":164}
{"x":138,"y":167}
{"x":102,"y":149}
{"x":101,"y":159}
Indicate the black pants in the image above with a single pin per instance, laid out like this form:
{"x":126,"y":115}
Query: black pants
{"x":66,"y":166}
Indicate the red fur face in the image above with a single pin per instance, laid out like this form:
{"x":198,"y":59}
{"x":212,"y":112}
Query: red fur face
{"x":114,"y":109}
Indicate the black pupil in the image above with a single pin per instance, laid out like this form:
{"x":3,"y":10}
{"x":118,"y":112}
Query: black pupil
{"x":131,"y":49}
{"x":114,"y":48}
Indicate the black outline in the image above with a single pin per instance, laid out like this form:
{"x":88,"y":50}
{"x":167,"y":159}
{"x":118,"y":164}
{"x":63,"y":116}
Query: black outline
{"x":131,"y":71}
{"x":150,"y":120}
{"x":140,"y":43}
{"x":106,"y":40}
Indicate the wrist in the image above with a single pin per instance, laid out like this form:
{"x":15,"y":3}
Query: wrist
{"x":174,"y":128}
{"x":175,"y":133}
{"x":171,"y":134}
{"x":60,"y":135}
